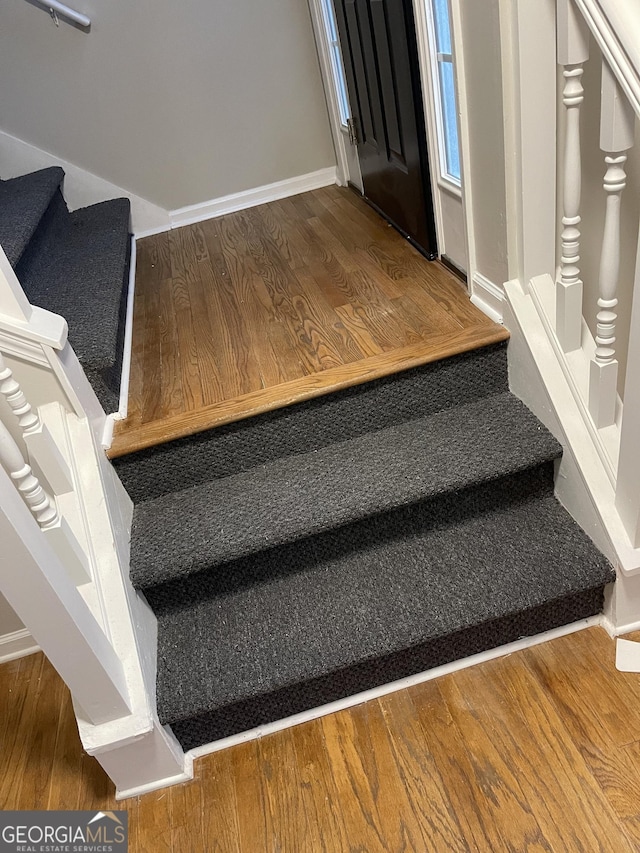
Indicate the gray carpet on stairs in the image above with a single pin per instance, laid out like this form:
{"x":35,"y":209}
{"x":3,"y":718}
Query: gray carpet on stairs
{"x":23,"y":202}
{"x":350,"y":541}
{"x":299,"y":496}
{"x":314,"y":424}
{"x":379,"y":591}
{"x":77,"y":265}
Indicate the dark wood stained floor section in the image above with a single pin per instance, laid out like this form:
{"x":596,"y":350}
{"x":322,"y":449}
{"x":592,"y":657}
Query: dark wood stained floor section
{"x":538,"y":751}
{"x":279,"y":303}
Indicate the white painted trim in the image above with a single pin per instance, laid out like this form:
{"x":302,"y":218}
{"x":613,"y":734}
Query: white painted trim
{"x":13,"y":301}
{"x":128,"y":338}
{"x":333,"y":107}
{"x":487,"y":296}
{"x":450,"y":187}
{"x":529,"y":80}
{"x":81,"y":187}
{"x":464,"y":135}
{"x":619,"y":631}
{"x":559,"y":411}
{"x":394,"y":686}
{"x":253,"y":197}
{"x":16,"y":645}
{"x":23,"y":348}
{"x":167,"y":782}
{"x":421,"y":14}
{"x":575,"y":366}
{"x":107,"y":433}
{"x":615,"y":27}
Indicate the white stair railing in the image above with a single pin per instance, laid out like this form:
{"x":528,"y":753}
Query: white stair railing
{"x":594,"y":370}
{"x":573,"y":52}
{"x":44,"y":509}
{"x":65,"y":528}
{"x":616,"y":138}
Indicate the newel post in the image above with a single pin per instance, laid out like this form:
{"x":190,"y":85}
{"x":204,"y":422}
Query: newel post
{"x":573,"y":52}
{"x":36,"y":585}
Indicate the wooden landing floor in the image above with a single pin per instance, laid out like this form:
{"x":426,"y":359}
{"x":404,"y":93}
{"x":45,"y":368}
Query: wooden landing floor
{"x":536,"y":751}
{"x":279,"y":303}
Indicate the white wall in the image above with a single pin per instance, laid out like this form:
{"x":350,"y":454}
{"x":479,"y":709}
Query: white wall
{"x":178,"y":103}
{"x":483,"y":75}
{"x":9,"y":622}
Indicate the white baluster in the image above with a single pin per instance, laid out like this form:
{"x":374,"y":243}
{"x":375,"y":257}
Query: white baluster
{"x":43,"y":508}
{"x":573,"y":51}
{"x":42,"y":449}
{"x":616,"y":137}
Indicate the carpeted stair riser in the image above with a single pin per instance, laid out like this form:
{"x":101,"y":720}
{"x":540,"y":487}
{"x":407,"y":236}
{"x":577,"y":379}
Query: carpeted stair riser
{"x":314,"y":424}
{"x":311,"y":493}
{"x":351,"y":612}
{"x":52,"y":229}
{"x":399,"y":537}
{"x":243,"y":716}
{"x":23,"y":204}
{"x":367,"y":534}
{"x":77,"y":265}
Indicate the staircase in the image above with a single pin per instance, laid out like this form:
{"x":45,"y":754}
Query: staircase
{"x":327,"y":547}
{"x":74,"y":264}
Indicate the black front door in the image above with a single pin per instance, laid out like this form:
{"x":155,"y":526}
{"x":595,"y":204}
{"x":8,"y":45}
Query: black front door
{"x":381,"y":65}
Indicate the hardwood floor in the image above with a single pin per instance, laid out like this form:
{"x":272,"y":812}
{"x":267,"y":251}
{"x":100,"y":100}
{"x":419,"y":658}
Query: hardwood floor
{"x":539,"y":750}
{"x":283,"y":302}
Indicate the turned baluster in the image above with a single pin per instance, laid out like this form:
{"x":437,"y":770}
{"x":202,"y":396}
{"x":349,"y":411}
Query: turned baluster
{"x":43,"y":508}
{"x":42,"y":449}
{"x":35,"y":497}
{"x":573,"y":51}
{"x":616,"y":137}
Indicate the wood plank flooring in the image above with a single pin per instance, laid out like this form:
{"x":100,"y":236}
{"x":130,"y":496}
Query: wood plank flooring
{"x":283,"y":302}
{"x":536,"y":751}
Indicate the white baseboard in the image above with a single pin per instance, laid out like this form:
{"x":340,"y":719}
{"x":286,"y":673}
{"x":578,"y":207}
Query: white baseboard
{"x":487,"y":296}
{"x":81,"y":188}
{"x":16,"y":645}
{"x":168,"y":782}
{"x":401,"y":684}
{"x":128,"y":338}
{"x":251,"y":198}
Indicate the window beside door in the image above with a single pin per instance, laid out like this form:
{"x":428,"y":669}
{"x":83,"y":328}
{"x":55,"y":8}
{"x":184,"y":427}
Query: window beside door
{"x":446,"y":108}
{"x":337,"y":68}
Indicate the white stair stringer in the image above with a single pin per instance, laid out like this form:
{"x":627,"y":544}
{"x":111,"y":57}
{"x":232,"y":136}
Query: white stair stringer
{"x":136,"y":751}
{"x":583,"y":484}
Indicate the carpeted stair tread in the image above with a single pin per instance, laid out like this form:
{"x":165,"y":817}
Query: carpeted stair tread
{"x":303,"y":495}
{"x":314,"y":424}
{"x":80,"y":276}
{"x":323,"y":621}
{"x":23,"y":202}
{"x":79,"y":267}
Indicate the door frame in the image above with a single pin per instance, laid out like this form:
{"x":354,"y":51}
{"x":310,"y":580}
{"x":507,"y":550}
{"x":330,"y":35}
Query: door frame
{"x":431,"y":109}
{"x":344,"y":162}
{"x":348,"y":170}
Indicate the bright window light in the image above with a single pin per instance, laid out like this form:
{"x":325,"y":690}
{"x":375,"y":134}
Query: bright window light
{"x":443,"y":81}
{"x":337,"y":67}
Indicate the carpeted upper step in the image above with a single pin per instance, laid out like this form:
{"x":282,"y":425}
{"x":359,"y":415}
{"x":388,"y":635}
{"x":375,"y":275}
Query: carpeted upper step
{"x":23,"y":202}
{"x":78,"y":266}
{"x":298,"y":496}
{"x":314,"y":424}
{"x":411,"y":592}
